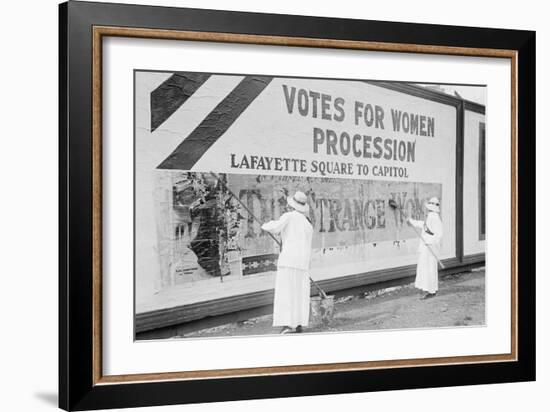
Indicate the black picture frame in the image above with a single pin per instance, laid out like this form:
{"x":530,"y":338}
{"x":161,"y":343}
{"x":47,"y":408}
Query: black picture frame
{"x":78,"y":389}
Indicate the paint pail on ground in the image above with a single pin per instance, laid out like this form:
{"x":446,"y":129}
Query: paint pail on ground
{"x":321,"y":310}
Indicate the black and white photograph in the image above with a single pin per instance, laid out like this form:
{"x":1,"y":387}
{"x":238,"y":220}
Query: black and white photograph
{"x":274,"y":206}
{"x":268,"y":205}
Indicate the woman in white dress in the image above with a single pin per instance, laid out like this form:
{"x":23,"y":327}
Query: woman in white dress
{"x":432,"y":232}
{"x":292,"y":288}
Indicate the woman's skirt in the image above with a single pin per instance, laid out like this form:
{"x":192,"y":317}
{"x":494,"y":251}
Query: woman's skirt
{"x":291,"y":304}
{"x":426,"y":270}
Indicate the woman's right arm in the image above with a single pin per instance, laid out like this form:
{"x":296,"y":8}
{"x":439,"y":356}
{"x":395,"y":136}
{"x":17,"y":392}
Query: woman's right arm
{"x":276,"y":226}
{"x":416,"y":223}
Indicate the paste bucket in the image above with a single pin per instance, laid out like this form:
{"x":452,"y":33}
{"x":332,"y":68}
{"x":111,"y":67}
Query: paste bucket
{"x":321,"y":310}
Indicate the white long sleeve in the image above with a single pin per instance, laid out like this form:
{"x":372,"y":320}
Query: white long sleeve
{"x":435,"y":226}
{"x":276,"y":226}
{"x":417,"y":223}
{"x":296,"y":236}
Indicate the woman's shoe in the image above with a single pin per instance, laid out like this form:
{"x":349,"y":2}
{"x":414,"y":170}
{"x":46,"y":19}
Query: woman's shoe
{"x":285,"y":330}
{"x":299,"y":329}
{"x":427,"y":296}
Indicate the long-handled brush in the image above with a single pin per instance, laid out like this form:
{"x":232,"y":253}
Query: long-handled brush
{"x":321,"y":291}
{"x":393,"y":204}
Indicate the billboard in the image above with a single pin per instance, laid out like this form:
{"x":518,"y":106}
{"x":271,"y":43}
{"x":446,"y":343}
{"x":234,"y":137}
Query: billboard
{"x":350,"y":145}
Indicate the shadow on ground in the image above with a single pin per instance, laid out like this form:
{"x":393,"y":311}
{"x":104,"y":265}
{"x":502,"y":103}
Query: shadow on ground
{"x":460,"y":301}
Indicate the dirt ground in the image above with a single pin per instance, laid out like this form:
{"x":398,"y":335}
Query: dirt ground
{"x":460,"y":301}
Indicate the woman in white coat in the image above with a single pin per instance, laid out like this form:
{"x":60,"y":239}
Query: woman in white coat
{"x":292,"y":288}
{"x":432,"y":232}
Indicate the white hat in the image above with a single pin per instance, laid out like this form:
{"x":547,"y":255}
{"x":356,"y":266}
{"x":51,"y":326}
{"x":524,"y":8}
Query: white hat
{"x":433,"y":204}
{"x":298,"y":202}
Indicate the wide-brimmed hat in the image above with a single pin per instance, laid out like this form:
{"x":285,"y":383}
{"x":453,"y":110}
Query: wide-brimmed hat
{"x":433,"y":204}
{"x":298,"y":202}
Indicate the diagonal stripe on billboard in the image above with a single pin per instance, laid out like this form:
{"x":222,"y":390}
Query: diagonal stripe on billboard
{"x":216,"y":123}
{"x":172,"y":93}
